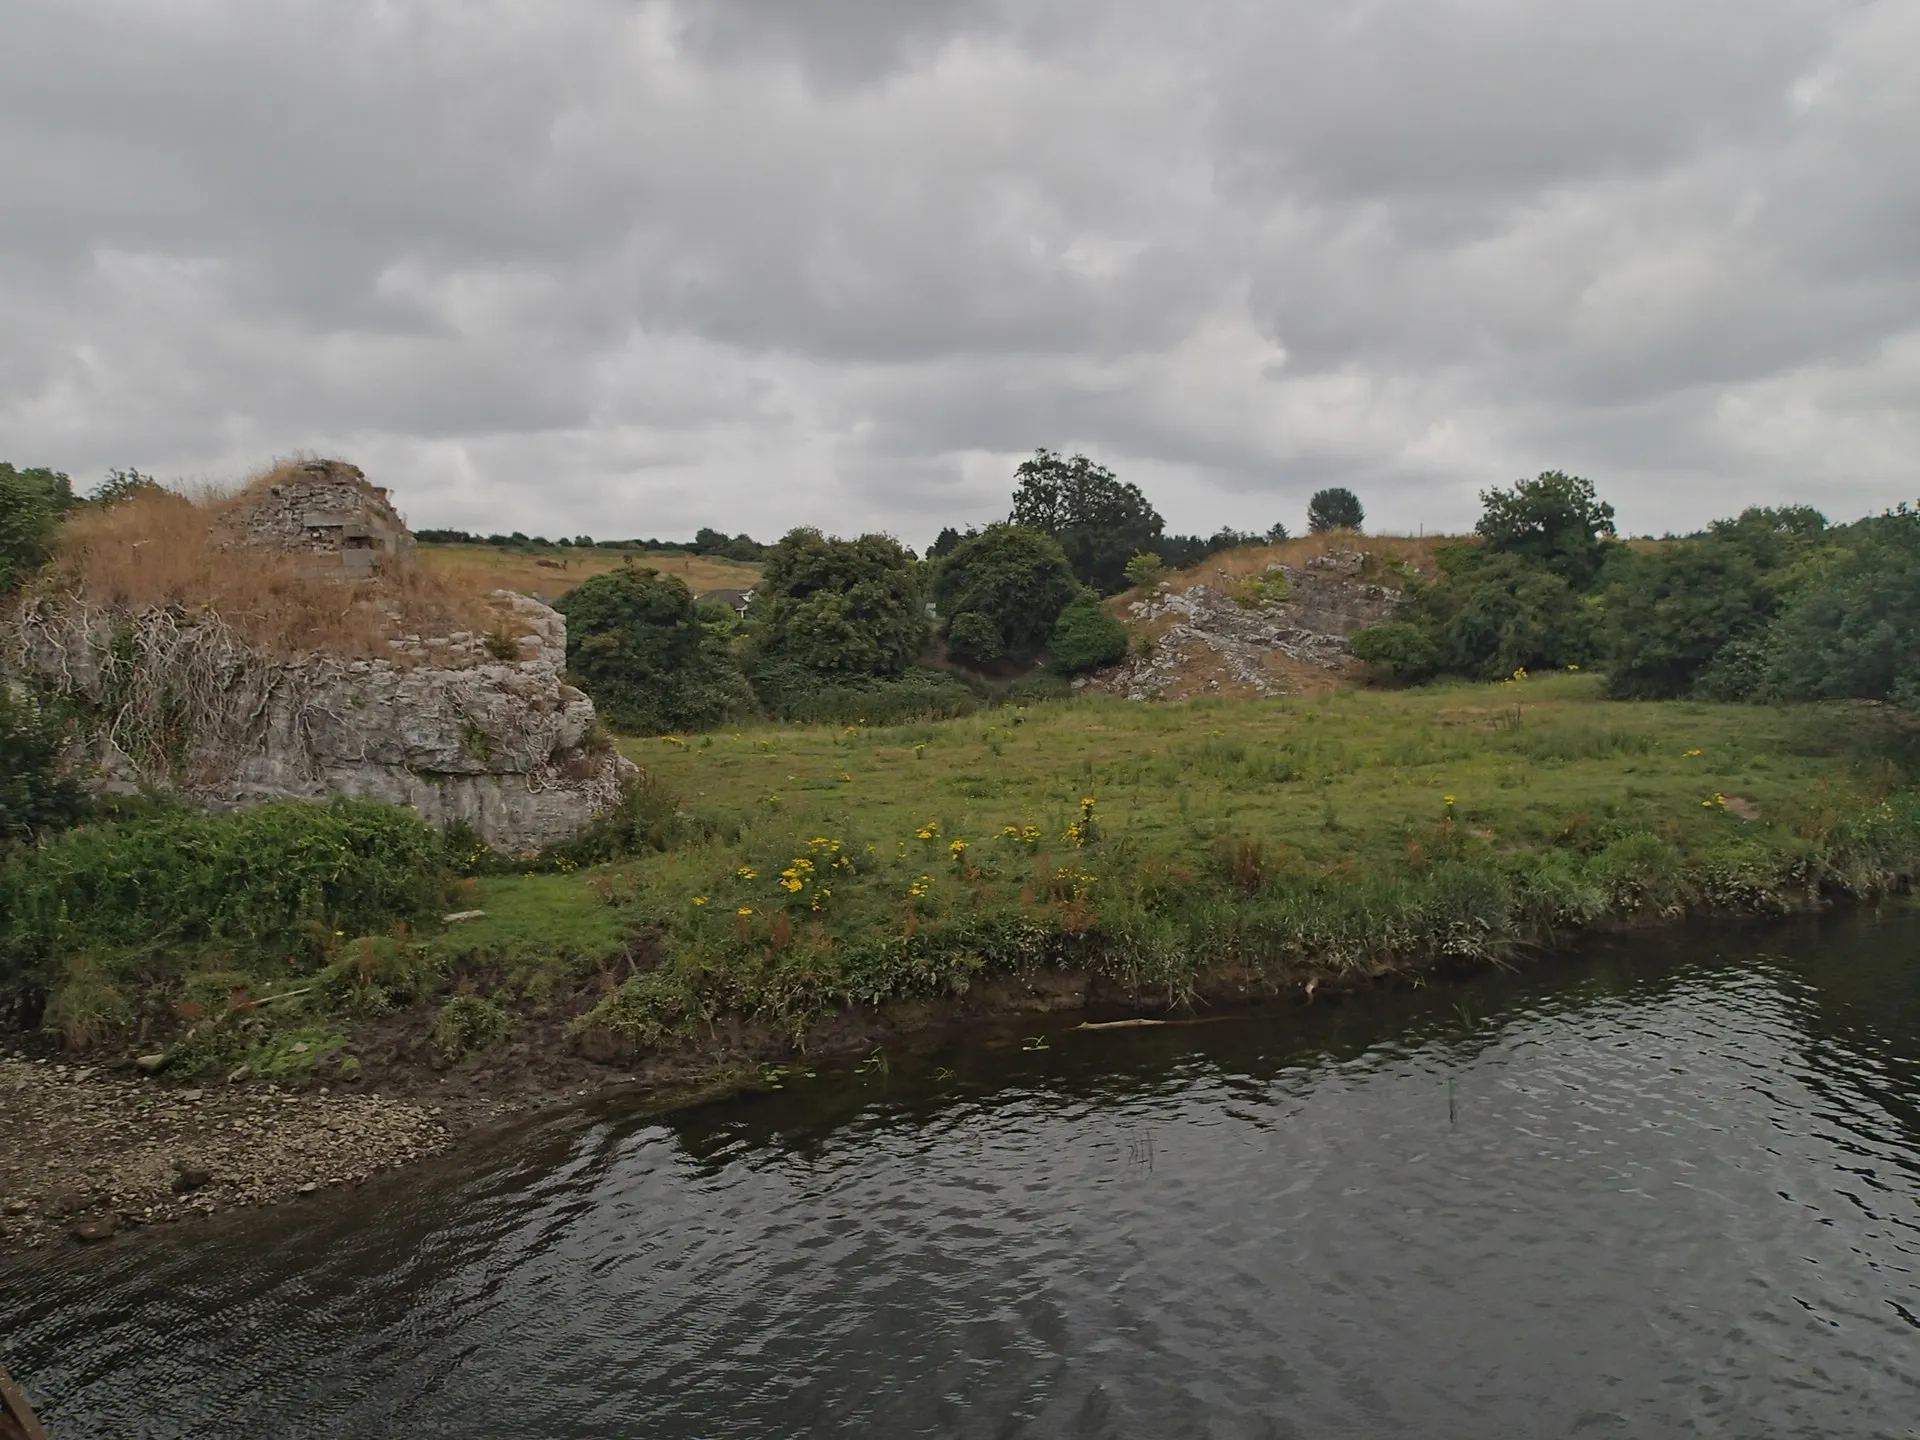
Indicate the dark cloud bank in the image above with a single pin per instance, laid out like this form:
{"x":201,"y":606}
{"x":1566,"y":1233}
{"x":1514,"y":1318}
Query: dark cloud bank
{"x":566,"y":265}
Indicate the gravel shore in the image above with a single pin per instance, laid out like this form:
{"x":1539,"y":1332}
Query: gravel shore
{"x":86,"y":1152}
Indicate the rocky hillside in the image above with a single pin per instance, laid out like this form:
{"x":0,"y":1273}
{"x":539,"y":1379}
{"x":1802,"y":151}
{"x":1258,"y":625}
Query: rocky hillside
{"x":182,"y":686}
{"x":1263,"y":620}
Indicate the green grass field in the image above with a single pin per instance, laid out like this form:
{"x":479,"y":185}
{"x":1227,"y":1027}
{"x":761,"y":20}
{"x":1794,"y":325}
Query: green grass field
{"x":1358,"y":831}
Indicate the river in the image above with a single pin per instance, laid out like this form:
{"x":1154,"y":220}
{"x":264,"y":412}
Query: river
{"x":1657,"y":1187}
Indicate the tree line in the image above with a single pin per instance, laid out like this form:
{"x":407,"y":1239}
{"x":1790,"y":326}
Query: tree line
{"x":1775,"y":603}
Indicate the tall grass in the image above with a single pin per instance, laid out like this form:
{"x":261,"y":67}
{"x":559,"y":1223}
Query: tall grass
{"x":161,"y":549}
{"x":267,"y":891}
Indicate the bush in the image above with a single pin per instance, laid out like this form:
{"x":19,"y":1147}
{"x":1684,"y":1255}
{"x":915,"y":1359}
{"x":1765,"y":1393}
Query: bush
{"x":1337,"y":508}
{"x":1085,"y":637}
{"x":1001,"y":591}
{"x":840,"y":607}
{"x":36,"y":796}
{"x":467,"y":1025}
{"x":1145,"y":569}
{"x":272,"y":885}
{"x":31,"y":503}
{"x":1397,"y":650}
{"x":636,"y":644}
{"x":1670,"y":613}
{"x":1492,"y":614}
{"x":793,"y":692}
{"x":1850,"y":632}
{"x":648,"y":818}
{"x":1554,"y":520}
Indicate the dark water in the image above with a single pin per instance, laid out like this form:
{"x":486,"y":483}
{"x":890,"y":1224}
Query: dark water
{"x":1659,"y":1188}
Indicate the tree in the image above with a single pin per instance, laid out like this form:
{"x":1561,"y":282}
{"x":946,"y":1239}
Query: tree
{"x":1277,"y":531}
{"x":1085,"y":637}
{"x":31,"y":503}
{"x":1000,"y":592}
{"x":636,"y":645}
{"x":840,"y":607}
{"x":1671,"y":612}
{"x":1849,"y":631}
{"x":1100,"y":521}
{"x":1335,"y":509}
{"x":1491,"y":614}
{"x":946,"y":542}
{"x":1554,"y":520}
{"x":122,"y":485}
{"x":1145,"y":569}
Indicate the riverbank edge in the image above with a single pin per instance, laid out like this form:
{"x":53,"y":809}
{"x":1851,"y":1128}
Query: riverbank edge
{"x":443,"y":1110}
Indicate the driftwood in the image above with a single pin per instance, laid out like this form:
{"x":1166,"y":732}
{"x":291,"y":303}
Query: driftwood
{"x":17,"y":1420}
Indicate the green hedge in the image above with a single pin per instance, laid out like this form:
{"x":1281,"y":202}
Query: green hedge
{"x":272,"y":885}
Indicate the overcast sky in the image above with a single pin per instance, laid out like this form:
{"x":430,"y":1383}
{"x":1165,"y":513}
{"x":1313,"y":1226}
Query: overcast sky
{"x":622,"y":267}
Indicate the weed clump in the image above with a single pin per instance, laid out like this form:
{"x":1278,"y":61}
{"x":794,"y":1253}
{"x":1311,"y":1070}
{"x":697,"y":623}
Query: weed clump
{"x":468,"y":1025}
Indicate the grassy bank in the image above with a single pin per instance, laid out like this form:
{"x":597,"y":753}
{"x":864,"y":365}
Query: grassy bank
{"x":786,"y":873}
{"x":1273,"y":842}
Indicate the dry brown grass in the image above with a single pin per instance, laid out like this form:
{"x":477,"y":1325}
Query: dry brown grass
{"x":169,"y":551}
{"x":489,"y":567}
{"x":1414,"y":552}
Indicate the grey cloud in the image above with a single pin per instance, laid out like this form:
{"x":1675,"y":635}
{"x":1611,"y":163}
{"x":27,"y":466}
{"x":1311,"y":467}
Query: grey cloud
{"x":636,"y":267}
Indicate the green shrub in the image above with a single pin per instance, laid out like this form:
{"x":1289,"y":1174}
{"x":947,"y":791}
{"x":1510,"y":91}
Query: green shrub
{"x":636,"y":644}
{"x":843,"y":608}
{"x":1145,"y":569}
{"x":31,"y":502}
{"x":1000,"y":592}
{"x":1085,"y":637}
{"x":1398,"y":650}
{"x":648,"y":818}
{"x":1849,"y":633}
{"x":36,"y":795}
{"x":1492,"y":614}
{"x":794,"y":692}
{"x":467,"y":1025}
{"x":1669,"y":613}
{"x":272,"y":886}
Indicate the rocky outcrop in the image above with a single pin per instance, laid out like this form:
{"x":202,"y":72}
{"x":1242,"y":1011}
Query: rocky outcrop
{"x":476,"y":725}
{"x":1272,"y":633}
{"x":505,"y":745}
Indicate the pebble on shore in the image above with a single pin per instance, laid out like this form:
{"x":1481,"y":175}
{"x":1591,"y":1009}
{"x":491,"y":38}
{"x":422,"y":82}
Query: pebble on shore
{"x":86,"y":1152}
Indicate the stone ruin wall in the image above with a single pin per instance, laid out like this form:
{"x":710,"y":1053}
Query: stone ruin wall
{"x":326,"y":509}
{"x":446,"y":727}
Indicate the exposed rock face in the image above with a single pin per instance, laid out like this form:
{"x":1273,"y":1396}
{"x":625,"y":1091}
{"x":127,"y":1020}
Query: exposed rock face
{"x":1234,"y":639}
{"x":481,"y":728}
{"x":509,"y":748}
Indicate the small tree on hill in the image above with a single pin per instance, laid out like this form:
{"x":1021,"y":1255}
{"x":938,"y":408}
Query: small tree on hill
{"x":1554,"y":520}
{"x":840,"y":607}
{"x":1145,"y":568}
{"x":1000,"y":592}
{"x":1337,"y":508}
{"x":1100,"y":521}
{"x":120,"y":486}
